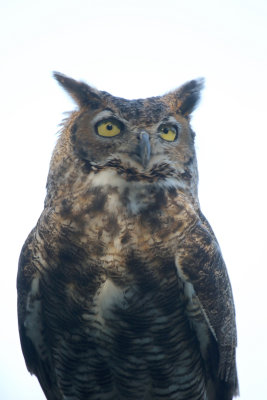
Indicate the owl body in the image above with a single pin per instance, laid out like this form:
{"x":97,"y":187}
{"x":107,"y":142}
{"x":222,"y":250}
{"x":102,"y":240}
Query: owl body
{"x":122,"y":289}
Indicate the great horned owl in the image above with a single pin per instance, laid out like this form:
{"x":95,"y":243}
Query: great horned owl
{"x":122,"y":289}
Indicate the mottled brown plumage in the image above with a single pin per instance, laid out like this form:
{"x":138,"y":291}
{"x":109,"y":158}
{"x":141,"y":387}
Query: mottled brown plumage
{"x":122,"y":289}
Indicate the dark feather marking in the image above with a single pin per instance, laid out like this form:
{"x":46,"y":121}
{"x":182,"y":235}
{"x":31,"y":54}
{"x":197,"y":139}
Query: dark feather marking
{"x":98,"y":201}
{"x":172,"y":192}
{"x":73,"y":131}
{"x":189,"y":162}
{"x":86,"y":166}
{"x":186,"y":175}
{"x":144,"y":276}
{"x":66,"y":208}
{"x":126,"y":238}
{"x":81,"y":152}
{"x":112,"y":225}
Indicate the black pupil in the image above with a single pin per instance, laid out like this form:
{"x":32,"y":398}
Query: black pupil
{"x":165,"y":130}
{"x":109,"y":127}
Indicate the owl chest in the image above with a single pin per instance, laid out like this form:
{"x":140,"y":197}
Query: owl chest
{"x":113,"y":221}
{"x":128,"y":236}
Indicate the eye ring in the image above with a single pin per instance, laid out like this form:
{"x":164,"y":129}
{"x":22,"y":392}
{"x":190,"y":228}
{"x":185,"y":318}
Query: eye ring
{"x":108,"y":128}
{"x":168,"y":133}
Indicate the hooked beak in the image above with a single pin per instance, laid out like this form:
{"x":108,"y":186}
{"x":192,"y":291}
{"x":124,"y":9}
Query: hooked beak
{"x":144,"y":148}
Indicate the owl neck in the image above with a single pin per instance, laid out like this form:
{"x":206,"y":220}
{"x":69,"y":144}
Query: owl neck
{"x":130,"y":191}
{"x":136,"y":192}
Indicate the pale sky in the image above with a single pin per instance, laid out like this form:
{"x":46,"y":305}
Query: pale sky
{"x":137,"y":49}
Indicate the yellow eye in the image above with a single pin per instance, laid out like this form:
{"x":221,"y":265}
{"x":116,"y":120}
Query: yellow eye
{"x":108,"y":128}
{"x":168,"y":133}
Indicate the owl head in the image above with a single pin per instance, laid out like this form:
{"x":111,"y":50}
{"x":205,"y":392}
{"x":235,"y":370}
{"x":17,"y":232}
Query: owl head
{"x":145,"y":140}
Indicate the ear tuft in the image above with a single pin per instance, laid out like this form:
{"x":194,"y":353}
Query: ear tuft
{"x":187,"y":96}
{"x":81,"y":93}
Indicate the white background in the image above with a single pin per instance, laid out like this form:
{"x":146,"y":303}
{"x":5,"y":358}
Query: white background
{"x":137,"y":49}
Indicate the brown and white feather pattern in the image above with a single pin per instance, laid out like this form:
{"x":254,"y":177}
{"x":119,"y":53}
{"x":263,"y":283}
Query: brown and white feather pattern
{"x":122,"y":289}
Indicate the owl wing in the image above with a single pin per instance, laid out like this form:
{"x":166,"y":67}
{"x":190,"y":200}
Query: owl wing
{"x":31,"y":325}
{"x":201,"y":266}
